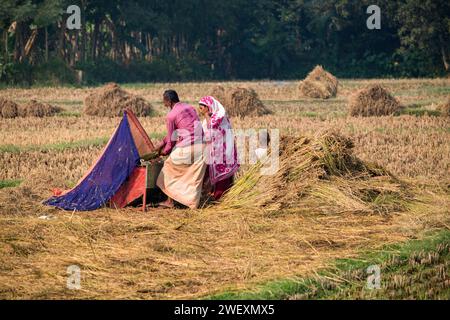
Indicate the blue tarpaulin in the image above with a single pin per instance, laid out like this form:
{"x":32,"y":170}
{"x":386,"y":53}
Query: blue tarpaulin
{"x":115,"y":165}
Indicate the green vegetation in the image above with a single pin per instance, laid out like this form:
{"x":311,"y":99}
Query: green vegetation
{"x":68,"y":114}
{"x":420,"y":112}
{"x":146,"y":41}
{"x":9,"y":183}
{"x":417,"y":269}
{"x":309,"y":114}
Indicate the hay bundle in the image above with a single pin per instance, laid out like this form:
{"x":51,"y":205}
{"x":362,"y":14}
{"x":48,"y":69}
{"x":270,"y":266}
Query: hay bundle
{"x":240,"y":102}
{"x":38,"y":109}
{"x":373,"y":100}
{"x":444,"y":108}
{"x":8,"y":108}
{"x":218,"y":92}
{"x":319,"y":84}
{"x":111,"y":100}
{"x":321,"y":175}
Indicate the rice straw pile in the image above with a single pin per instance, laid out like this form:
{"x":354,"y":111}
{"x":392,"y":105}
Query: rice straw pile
{"x":240,"y":102}
{"x":319,"y":174}
{"x":373,"y":100}
{"x":38,"y":109}
{"x":111,"y":100}
{"x":319,"y":84}
{"x":10,"y":109}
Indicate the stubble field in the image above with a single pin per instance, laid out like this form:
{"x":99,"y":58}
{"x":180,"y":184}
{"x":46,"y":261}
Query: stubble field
{"x":192,"y":254}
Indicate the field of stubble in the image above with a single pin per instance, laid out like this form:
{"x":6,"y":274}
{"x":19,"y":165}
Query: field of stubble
{"x":190,"y":254}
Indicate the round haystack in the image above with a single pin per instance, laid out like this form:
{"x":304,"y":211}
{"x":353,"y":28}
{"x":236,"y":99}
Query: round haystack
{"x":373,"y":100}
{"x":240,"y":102}
{"x":111,"y":100}
{"x":444,"y":108}
{"x":38,"y":109}
{"x":8,"y":108}
{"x":319,"y":84}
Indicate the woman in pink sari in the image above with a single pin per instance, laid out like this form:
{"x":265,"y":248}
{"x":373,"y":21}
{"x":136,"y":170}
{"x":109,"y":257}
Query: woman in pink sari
{"x":223,"y":160}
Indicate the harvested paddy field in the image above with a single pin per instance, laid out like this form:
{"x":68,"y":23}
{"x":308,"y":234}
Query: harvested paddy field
{"x":232,"y":246}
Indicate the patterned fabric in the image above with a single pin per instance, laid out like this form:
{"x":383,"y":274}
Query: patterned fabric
{"x":221,"y":187}
{"x":223,"y":157}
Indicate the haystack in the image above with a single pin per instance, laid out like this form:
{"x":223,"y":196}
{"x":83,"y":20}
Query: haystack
{"x":38,"y":109}
{"x":240,"y":102}
{"x":373,"y":100}
{"x":319,"y":84}
{"x":8,"y":108}
{"x":111,"y":100}
{"x":444,"y":108}
{"x":319,"y":174}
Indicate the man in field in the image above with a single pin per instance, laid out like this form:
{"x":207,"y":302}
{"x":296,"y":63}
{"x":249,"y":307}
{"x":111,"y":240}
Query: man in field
{"x":182,"y":176}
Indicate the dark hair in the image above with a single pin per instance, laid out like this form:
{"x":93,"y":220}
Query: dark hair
{"x":171,"y":95}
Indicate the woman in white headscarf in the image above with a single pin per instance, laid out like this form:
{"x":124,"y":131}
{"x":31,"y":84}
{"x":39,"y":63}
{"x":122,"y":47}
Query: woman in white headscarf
{"x":223,"y":160}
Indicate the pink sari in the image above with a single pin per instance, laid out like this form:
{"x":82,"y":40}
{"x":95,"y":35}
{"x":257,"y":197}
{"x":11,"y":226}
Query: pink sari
{"x":223,"y":160}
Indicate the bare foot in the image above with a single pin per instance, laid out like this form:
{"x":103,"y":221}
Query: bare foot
{"x":166,"y":204}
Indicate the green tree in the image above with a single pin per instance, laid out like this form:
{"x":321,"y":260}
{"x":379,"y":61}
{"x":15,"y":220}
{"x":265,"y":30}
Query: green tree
{"x":425,"y":25}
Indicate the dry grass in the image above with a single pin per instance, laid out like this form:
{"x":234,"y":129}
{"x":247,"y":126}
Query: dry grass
{"x":185,"y":254}
{"x":38,"y":109}
{"x":410,"y":90}
{"x":320,"y":175}
{"x":415,"y":270}
{"x":373,"y":101}
{"x":182,"y":254}
{"x":240,"y":102}
{"x":408,"y":146}
{"x":24,"y":132}
{"x":8,"y":108}
{"x":69,"y":164}
{"x":111,"y":100}
{"x":33,"y":108}
{"x":445,"y":108}
{"x":319,"y":84}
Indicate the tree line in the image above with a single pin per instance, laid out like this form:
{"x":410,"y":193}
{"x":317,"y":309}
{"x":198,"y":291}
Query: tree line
{"x":177,"y":40}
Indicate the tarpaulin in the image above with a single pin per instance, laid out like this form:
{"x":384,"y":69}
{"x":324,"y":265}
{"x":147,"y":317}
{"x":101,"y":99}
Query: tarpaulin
{"x":106,"y":176}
